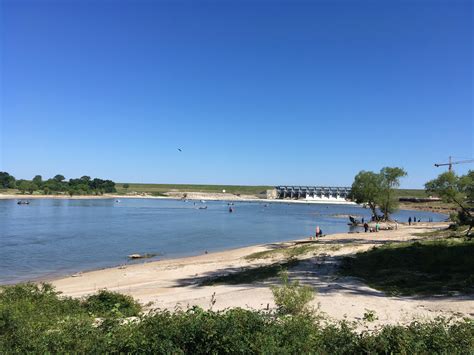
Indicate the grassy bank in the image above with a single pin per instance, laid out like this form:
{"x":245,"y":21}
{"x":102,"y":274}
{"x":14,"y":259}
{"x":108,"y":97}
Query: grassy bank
{"x":36,"y":320}
{"x":419,"y":193}
{"x":431,"y":267}
{"x":162,"y":188}
{"x":292,"y":251}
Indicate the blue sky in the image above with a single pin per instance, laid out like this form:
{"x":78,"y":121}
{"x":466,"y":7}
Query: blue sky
{"x":254,"y":92}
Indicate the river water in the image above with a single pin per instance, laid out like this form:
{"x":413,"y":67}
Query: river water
{"x":48,"y":238}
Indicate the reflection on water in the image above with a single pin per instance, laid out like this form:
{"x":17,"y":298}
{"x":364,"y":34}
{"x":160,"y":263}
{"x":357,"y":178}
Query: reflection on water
{"x":51,"y":237}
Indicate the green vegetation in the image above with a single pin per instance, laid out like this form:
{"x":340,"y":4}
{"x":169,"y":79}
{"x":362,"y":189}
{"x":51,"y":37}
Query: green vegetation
{"x":247,"y":276}
{"x":34,"y":319}
{"x":377,"y":190}
{"x":112,"y":303}
{"x":431,"y":267}
{"x":6,"y":180}
{"x":162,"y":188}
{"x":291,"y":252}
{"x":58,"y":184}
{"x":370,"y":316}
{"x":452,"y":232}
{"x":292,"y":298}
{"x":416,"y":193}
{"x":458,"y":190}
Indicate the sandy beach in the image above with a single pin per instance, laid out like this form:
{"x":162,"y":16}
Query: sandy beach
{"x":177,"y":282}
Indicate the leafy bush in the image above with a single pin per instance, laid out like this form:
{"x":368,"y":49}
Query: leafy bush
{"x":35,"y":319}
{"x":107,"y":303}
{"x":291,"y":298}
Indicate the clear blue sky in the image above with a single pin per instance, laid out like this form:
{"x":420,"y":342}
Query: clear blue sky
{"x":254,"y":92}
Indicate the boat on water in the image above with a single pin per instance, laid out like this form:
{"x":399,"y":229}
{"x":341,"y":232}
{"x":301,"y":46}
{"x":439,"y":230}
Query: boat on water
{"x":23,"y":202}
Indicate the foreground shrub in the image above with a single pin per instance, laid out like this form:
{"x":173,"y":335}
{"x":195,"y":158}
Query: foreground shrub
{"x":107,"y":303}
{"x":291,"y":297}
{"x":34,"y":319}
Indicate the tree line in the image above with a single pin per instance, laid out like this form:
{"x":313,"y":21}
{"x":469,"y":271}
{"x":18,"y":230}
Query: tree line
{"x":84,"y":185}
{"x":377,"y":191}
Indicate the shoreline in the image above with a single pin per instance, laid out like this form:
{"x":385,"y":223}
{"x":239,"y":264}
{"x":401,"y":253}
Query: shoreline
{"x":211,"y":197}
{"x":177,"y":282}
{"x":203,"y":196}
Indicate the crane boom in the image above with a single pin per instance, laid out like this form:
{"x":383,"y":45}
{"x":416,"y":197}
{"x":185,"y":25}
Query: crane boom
{"x":451,"y":163}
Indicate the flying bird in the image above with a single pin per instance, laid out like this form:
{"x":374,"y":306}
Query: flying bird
{"x":180,"y":149}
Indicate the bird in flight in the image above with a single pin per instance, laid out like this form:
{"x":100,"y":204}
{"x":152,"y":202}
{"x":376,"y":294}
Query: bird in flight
{"x":180,"y":149}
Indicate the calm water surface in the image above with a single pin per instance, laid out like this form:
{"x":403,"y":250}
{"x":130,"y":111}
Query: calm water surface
{"x":58,"y":237}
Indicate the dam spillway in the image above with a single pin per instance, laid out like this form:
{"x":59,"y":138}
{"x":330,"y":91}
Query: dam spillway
{"x":334,"y":194}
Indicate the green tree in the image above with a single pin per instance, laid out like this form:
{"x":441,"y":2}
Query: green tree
{"x":458,"y":190}
{"x":6,"y":180}
{"x":23,"y":185}
{"x":466,"y":184}
{"x":377,"y":190}
{"x":389,"y":179}
{"x":126,"y":186}
{"x":59,"y":178}
{"x":38,"y":181}
{"x":32,"y":187}
{"x":51,"y":185}
{"x":85,"y":179}
{"x":366,"y":189}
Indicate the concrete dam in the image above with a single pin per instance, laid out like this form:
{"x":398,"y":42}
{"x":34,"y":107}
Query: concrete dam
{"x":327,"y":194}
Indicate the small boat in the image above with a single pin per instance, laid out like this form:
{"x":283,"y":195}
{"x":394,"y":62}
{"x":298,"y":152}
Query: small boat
{"x":203,"y":208}
{"x":23,"y":202}
{"x":353,"y":220}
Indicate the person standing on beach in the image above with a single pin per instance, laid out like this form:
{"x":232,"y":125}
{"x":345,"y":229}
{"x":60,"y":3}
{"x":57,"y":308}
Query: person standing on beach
{"x":366,"y":227}
{"x":409,"y":221}
{"x":317,"y":232}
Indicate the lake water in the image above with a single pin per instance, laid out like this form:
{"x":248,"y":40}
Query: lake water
{"x":57,"y":237}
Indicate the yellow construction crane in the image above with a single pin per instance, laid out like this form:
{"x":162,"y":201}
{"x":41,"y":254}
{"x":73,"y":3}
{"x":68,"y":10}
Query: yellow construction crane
{"x":451,"y":163}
